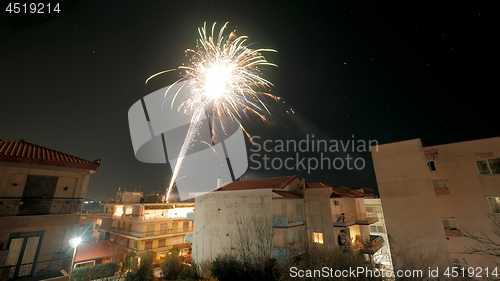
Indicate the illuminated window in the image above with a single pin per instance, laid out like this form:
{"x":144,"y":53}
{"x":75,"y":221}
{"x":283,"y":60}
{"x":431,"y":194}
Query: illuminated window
{"x":488,"y":167}
{"x":494,"y":204}
{"x":318,"y":237}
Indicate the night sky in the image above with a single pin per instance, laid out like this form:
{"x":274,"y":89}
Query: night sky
{"x":379,"y":71}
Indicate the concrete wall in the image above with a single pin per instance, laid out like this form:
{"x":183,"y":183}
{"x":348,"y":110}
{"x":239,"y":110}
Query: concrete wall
{"x":319,"y":214}
{"x":216,"y":215}
{"x":16,"y":174}
{"x":468,"y":191}
{"x":412,"y":214}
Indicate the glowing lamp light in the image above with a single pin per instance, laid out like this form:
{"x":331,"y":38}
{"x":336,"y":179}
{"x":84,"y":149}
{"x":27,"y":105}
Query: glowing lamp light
{"x":75,"y":241}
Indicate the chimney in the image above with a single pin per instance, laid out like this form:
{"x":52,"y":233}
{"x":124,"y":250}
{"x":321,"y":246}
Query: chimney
{"x":219,"y":182}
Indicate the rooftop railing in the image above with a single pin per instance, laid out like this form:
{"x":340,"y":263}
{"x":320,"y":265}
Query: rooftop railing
{"x":33,"y":206}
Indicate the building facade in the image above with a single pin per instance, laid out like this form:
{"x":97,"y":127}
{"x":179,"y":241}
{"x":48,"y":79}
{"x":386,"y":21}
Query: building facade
{"x":383,"y":257}
{"x":41,"y":198}
{"x":431,"y":195}
{"x":284,"y":214}
{"x":140,"y":227}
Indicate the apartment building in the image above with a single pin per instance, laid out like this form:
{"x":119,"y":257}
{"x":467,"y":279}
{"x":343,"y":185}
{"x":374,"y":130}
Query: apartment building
{"x":134,"y":224}
{"x":432,"y":194}
{"x":383,"y":257}
{"x":42,"y":191}
{"x":297,"y":215}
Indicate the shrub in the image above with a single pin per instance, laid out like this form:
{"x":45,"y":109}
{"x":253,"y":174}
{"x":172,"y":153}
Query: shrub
{"x":172,"y":266}
{"x":94,"y":272}
{"x":145,"y":270}
{"x":189,"y":273}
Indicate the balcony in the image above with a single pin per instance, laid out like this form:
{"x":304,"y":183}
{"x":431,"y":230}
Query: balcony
{"x":288,"y":220}
{"x":348,"y":219}
{"x":31,"y":206}
{"x":165,"y":248}
{"x":189,"y":237}
{"x":376,"y":242}
{"x":48,"y":267}
{"x":150,"y":234}
{"x":290,"y":251}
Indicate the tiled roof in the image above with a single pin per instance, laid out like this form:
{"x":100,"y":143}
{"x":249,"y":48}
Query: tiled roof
{"x":21,"y":151}
{"x":273,"y":183}
{"x":287,"y":194}
{"x":317,"y":185}
{"x":95,"y":250}
{"x":345,"y":192}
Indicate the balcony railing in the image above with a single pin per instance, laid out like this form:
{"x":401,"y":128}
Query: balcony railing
{"x":147,"y":216}
{"x":32,"y":206}
{"x":184,"y":245}
{"x":144,"y":234}
{"x":354,"y":218}
{"x":290,"y":251}
{"x":53,"y":267}
{"x":376,"y":242}
{"x":287,"y":220}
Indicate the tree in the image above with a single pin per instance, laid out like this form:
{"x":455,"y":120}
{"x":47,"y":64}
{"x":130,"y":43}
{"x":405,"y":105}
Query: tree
{"x":334,"y":258}
{"x":488,"y":245}
{"x":143,"y":270}
{"x":254,"y":241}
{"x":172,"y":266}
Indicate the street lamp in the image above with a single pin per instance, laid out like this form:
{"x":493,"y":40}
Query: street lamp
{"x":74,"y":243}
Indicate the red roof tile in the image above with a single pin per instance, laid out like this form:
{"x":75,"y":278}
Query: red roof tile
{"x":21,"y":151}
{"x":95,"y":250}
{"x":287,"y":194}
{"x":345,"y":192}
{"x":273,"y":183}
{"x":317,"y":185}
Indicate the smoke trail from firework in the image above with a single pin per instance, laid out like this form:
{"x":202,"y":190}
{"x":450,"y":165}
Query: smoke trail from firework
{"x":225,"y":81}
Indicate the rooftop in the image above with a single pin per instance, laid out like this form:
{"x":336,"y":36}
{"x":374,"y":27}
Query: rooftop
{"x":21,"y":151}
{"x":273,"y":183}
{"x":94,"y":250}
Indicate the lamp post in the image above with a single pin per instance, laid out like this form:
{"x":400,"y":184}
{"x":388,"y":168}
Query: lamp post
{"x":73,"y":243}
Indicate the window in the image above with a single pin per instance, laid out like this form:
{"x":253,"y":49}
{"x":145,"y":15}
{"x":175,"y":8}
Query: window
{"x":149,"y":245}
{"x":494,"y":204}
{"x":488,"y":167}
{"x":432,"y":166}
{"x":23,"y":253}
{"x":377,"y":228}
{"x":161,"y":243}
{"x":449,"y":223}
{"x":318,"y":237}
{"x":163,"y":228}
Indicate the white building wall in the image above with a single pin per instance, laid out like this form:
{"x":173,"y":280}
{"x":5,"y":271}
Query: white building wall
{"x":216,"y":216}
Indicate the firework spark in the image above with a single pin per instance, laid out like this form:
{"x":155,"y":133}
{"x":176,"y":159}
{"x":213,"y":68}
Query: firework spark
{"x":224,"y":78}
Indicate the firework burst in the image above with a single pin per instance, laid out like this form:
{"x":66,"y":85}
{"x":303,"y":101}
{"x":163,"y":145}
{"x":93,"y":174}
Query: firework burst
{"x":224,"y":77}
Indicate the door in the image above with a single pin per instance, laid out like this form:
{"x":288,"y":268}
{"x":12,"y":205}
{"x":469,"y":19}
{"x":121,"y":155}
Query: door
{"x":23,"y":253}
{"x":37,"y":195}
